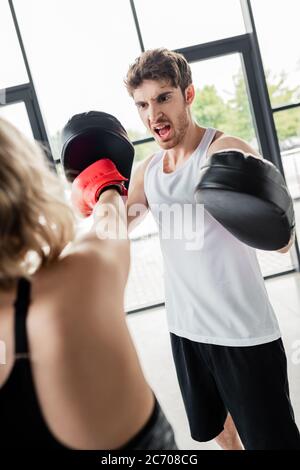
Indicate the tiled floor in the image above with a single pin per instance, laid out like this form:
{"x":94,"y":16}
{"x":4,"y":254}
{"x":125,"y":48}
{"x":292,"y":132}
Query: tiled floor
{"x":149,"y":331}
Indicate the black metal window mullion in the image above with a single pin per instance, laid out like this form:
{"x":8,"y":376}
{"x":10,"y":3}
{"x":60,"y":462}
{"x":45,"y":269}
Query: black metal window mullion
{"x":285,"y":107}
{"x":137,"y":25}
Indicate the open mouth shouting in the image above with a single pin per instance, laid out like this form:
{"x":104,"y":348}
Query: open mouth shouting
{"x":162,"y":130}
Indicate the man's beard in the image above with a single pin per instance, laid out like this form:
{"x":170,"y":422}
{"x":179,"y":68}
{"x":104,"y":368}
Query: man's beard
{"x":180,"y":131}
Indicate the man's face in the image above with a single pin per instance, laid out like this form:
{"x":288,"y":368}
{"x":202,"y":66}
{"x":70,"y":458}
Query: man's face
{"x":164,"y":111}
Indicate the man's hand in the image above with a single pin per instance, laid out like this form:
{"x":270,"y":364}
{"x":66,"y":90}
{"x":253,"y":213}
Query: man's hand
{"x":286,"y":248}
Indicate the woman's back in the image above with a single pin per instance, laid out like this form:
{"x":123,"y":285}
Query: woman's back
{"x":86,"y":374}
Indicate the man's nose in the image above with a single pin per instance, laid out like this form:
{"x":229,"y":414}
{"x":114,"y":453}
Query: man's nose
{"x":154,"y":113}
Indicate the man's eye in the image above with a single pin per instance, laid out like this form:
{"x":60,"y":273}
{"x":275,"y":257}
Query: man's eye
{"x":164,"y":98}
{"x":141,"y":105}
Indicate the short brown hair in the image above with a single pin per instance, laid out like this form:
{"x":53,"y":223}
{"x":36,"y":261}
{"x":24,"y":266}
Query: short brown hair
{"x":159,"y":64}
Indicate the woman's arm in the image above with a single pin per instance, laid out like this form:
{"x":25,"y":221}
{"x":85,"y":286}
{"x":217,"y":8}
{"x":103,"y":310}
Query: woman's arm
{"x":108,"y":235}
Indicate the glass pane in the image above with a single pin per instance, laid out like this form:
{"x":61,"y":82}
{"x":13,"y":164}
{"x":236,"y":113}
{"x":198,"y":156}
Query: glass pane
{"x":79,"y":53}
{"x":279,"y":45}
{"x":17,"y":115}
{"x":145,"y":283}
{"x":297,"y":216}
{"x":221,"y":97}
{"x":143,"y":151}
{"x":272,"y":262}
{"x":139,"y":132}
{"x":291,"y":165}
{"x":176,"y":25}
{"x":55,"y":144}
{"x":288,"y":130}
{"x":13,"y":70}
{"x":145,"y":286}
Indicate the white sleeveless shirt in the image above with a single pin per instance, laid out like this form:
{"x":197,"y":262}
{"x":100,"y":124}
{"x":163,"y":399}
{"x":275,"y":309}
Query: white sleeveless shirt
{"x":216,"y":293}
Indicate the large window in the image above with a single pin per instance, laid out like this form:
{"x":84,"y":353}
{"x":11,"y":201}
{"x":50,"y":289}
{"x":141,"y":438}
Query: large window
{"x":177,"y":24}
{"x":288,"y":130}
{"x":221,"y":102}
{"x":221,"y":97}
{"x":279,"y":45}
{"x":277,"y":25}
{"x":79,"y":53}
{"x":12,"y":68}
{"x":17,"y":115}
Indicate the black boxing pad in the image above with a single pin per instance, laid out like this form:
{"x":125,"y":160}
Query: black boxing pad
{"x":88,"y":137}
{"x":249,"y":197}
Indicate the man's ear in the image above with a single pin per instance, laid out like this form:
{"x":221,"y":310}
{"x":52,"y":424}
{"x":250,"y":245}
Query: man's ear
{"x":189,"y":94}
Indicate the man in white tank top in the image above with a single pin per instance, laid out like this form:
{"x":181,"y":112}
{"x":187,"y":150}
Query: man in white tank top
{"x":225,"y":337}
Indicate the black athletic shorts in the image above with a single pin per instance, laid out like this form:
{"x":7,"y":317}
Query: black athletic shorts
{"x":157,"y":434}
{"x":249,"y":382}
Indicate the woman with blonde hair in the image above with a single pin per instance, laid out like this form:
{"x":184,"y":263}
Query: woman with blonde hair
{"x":72,"y":378}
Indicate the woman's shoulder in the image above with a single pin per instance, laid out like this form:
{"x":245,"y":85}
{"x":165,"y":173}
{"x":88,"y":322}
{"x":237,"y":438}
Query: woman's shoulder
{"x":83,"y":274}
{"x":78,"y":296}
